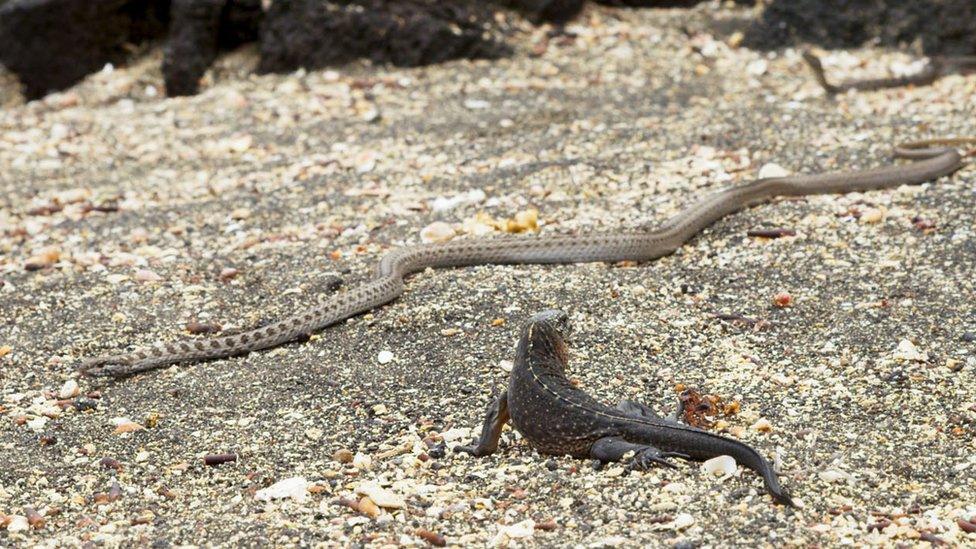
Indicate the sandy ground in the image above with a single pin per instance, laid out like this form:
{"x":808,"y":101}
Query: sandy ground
{"x":125,"y":216}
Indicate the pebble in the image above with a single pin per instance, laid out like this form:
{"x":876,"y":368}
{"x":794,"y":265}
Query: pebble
{"x":294,"y":488}
{"x":384,"y":357}
{"x":872,"y":215}
{"x":70,"y":389}
{"x":145,"y":275}
{"x":762,"y":425}
{"x":227,"y":273}
{"x":782,"y":299}
{"x":519,"y":530}
{"x":381,"y":496}
{"x":506,"y":365}
{"x":835,"y":475}
{"x":18,"y":523}
{"x":772,"y":170}
{"x":37,"y":424}
{"x":362,"y":461}
{"x":907,"y":351}
{"x":437,"y":231}
{"x":125,"y":425}
{"x":44,"y":258}
{"x":342,"y":455}
{"x":443,"y":203}
{"x":720,"y":466}
{"x":682,"y":521}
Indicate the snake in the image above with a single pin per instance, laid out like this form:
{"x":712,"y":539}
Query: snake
{"x":935,"y":68}
{"x":930,"y":159}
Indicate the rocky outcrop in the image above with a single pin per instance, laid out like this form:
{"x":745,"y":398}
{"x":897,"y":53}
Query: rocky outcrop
{"x":51,"y":44}
{"x":199,"y":29}
{"x":313,"y":33}
{"x":938,"y":26}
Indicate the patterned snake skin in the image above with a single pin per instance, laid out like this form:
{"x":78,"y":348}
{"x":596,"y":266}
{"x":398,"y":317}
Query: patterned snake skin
{"x":932,"y":159}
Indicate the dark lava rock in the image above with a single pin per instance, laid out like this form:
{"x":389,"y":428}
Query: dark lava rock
{"x":941,"y":26}
{"x":316,"y":33}
{"x":549,"y":11}
{"x":51,"y":44}
{"x":199,"y":29}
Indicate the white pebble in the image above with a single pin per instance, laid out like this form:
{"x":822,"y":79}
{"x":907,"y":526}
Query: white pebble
{"x":506,"y":365}
{"x":70,"y":389}
{"x":384,"y":357}
{"x":720,"y":466}
{"x":772,"y":170}
{"x":362,"y":461}
{"x":295,"y":488}
{"x":908,"y":351}
{"x":835,"y":475}
{"x":381,"y":496}
{"x":18,"y":523}
{"x":437,"y":231}
{"x":519,"y":530}
{"x":683,"y":520}
{"x":145,"y":275}
{"x":476,"y":104}
{"x":37,"y":424}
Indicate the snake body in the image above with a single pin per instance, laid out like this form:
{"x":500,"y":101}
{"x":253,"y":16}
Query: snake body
{"x":936,"y":68}
{"x":932,"y":159}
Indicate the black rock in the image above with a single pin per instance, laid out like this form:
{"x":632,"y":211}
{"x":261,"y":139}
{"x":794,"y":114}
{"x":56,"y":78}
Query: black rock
{"x":942,"y":26}
{"x":199,"y":29}
{"x":52,"y":44}
{"x":316,"y":33}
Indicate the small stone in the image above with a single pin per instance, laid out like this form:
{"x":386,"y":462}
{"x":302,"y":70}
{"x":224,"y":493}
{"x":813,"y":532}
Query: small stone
{"x":45,"y":258}
{"x":70,"y":389}
{"x":772,"y":170}
{"x":380,"y":409}
{"x":295,"y":488}
{"x":763,"y":425}
{"x":37,"y":424}
{"x":506,"y":365}
{"x":227,"y":273}
{"x":313,"y":433}
{"x":757,"y":67}
{"x":18,"y":523}
{"x":782,"y":299}
{"x":362,"y":461}
{"x":720,"y":466}
{"x":437,"y":232}
{"x":369,"y":508}
{"x":872,"y":215}
{"x":5,"y":350}
{"x":682,"y":521}
{"x":145,"y":275}
{"x":835,"y":475}
{"x":908,"y":352}
{"x":526,"y":220}
{"x":519,"y":530}
{"x":240,"y":213}
{"x":476,"y":104}
{"x":125,"y":425}
{"x":384,"y":357}
{"x":381,"y":496}
{"x":342,"y":455}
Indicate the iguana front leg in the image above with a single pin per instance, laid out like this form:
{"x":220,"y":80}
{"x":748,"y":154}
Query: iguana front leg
{"x":495,"y":419}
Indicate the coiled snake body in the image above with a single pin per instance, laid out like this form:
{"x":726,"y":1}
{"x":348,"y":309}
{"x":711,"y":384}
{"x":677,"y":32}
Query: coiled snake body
{"x":932,"y":159}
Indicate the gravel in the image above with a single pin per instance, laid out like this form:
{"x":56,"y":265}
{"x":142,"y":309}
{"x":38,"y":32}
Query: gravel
{"x":125,"y":218}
